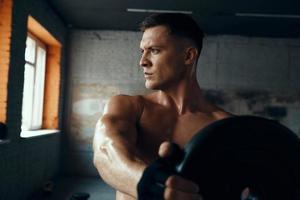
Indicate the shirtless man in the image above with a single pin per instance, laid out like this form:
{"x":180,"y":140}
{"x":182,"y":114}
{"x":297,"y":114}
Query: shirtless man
{"x":135,"y":129}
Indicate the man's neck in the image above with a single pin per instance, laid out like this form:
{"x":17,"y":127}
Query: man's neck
{"x":186,"y":96}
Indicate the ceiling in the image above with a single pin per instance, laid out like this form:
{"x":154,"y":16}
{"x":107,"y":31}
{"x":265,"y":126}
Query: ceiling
{"x":262,"y":18}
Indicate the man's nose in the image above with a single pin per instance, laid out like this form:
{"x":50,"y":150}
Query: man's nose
{"x":144,"y":61}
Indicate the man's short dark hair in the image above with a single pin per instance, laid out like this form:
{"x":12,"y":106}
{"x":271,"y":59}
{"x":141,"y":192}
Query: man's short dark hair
{"x":179,"y":24}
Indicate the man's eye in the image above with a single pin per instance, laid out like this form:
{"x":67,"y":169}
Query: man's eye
{"x":142,"y":51}
{"x":154,"y":51}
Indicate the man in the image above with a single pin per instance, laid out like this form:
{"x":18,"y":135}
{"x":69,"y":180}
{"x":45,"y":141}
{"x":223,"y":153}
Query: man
{"x":134,"y":129}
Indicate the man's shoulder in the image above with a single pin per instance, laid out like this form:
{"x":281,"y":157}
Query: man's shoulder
{"x":219,"y":113}
{"x":127,"y":99}
{"x":134,"y":104}
{"x":123,"y":103}
{"x":134,"y":99}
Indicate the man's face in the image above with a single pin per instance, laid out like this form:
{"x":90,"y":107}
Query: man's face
{"x":162,"y":58}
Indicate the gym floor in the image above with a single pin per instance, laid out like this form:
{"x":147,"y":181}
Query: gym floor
{"x":64,"y":188}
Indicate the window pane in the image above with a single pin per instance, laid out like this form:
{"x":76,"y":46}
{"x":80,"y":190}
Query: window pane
{"x":30,"y":50}
{"x":27,"y":96}
{"x":38,"y":101}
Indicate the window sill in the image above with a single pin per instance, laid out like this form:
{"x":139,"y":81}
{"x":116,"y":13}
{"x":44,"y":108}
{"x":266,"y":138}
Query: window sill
{"x":29,"y":134}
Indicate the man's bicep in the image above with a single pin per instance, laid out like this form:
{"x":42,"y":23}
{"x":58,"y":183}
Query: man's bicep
{"x":118,"y":129}
{"x":118,"y":122}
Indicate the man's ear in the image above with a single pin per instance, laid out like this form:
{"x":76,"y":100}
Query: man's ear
{"x":191,"y":55}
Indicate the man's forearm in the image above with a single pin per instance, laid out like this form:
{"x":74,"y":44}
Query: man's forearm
{"x":119,"y":166}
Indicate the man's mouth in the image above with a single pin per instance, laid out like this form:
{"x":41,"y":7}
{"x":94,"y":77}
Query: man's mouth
{"x":146,"y":74}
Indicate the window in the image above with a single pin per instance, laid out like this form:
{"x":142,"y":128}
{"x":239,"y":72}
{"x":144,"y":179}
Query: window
{"x":34,"y":84}
{"x":41,"y":89}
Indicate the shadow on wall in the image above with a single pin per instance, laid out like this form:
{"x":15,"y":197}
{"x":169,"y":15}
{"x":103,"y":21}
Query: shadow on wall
{"x":282,"y":107}
{"x":2,"y":131}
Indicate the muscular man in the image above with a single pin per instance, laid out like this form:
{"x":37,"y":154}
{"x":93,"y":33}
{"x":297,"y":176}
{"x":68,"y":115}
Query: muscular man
{"x":134,"y":129}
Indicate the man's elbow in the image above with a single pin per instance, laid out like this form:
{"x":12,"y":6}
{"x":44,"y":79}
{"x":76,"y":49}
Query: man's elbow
{"x":95,"y":161}
{"x":98,"y":162}
{"x":102,"y":167}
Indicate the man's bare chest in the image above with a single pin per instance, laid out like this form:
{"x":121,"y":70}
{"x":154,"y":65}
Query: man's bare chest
{"x":157,"y":125}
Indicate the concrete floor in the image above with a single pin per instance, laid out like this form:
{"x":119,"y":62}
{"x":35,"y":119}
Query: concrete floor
{"x":64,"y":188}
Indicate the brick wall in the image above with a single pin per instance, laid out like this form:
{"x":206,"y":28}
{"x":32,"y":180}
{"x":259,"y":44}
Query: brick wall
{"x":5,"y":34}
{"x":26,"y":163}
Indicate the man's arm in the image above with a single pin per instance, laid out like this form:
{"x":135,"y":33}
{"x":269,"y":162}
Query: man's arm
{"x":115,"y":155}
{"x":117,"y":159}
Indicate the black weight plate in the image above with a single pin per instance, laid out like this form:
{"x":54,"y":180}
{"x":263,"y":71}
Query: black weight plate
{"x":237,"y":153}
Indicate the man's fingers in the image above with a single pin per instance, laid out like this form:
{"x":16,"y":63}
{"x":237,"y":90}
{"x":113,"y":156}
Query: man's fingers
{"x":171,"y":194}
{"x":176,"y":186}
{"x":165,"y":149}
{"x":179,"y":183}
{"x":171,"y":152}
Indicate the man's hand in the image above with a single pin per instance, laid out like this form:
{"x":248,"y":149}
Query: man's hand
{"x":177,"y":187}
